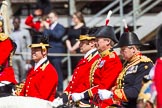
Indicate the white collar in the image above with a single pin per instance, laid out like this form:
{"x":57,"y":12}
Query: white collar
{"x":53,"y":25}
{"x":89,"y":52}
{"x":39,"y":63}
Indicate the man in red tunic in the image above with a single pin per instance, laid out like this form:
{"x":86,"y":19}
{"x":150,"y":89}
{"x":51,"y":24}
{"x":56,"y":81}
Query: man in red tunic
{"x":105,"y":71}
{"x":42,"y":79}
{"x":80,"y":78}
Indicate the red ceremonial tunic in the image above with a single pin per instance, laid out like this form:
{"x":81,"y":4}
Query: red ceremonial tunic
{"x":104,"y":74}
{"x":6,"y":49}
{"x":41,"y":83}
{"x":80,"y":82}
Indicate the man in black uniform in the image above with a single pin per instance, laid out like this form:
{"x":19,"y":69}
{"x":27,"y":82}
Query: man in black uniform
{"x":129,"y":81}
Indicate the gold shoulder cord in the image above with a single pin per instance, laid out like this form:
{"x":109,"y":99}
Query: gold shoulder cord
{"x":145,"y":59}
{"x":92,"y":71}
{"x":122,"y":74}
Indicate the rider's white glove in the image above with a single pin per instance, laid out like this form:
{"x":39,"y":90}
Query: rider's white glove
{"x":104,"y":94}
{"x":57,"y":102}
{"x":77,"y":96}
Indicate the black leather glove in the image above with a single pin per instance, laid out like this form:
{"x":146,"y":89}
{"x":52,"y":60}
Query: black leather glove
{"x":159,"y":42}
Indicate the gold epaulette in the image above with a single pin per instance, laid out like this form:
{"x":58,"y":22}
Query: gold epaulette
{"x":145,"y":59}
{"x":112,"y":55}
{"x":3,"y":36}
{"x":109,"y":53}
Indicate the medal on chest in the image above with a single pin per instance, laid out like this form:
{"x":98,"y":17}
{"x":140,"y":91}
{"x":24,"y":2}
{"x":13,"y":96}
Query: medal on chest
{"x":101,"y":63}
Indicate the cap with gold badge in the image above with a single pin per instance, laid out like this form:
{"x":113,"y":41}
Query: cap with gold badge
{"x":40,"y":41}
{"x":88,"y":34}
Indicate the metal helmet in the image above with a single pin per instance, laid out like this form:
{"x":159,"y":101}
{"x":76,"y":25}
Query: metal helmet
{"x":127,"y":39}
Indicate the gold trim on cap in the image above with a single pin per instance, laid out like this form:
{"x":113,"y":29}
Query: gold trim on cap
{"x":85,"y":37}
{"x":39,"y":45}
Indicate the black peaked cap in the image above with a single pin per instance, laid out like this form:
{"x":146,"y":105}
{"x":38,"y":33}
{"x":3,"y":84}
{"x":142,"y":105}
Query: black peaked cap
{"x":39,"y":41}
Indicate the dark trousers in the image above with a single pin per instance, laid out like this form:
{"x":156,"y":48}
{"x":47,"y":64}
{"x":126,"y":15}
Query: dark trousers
{"x":56,"y":62}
